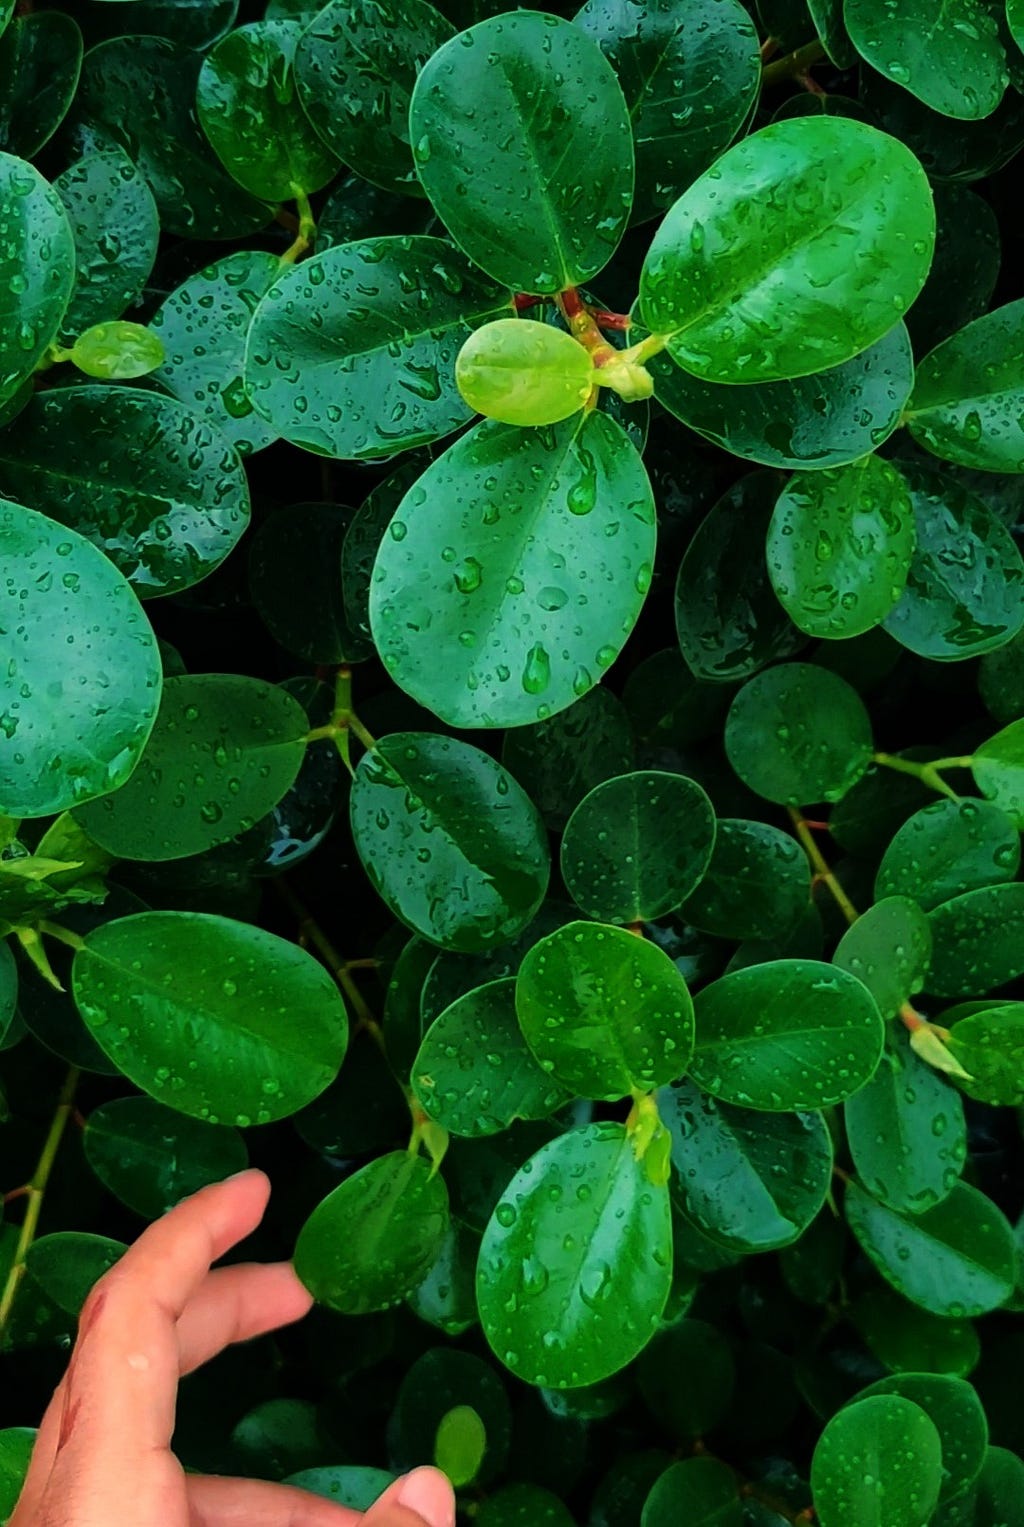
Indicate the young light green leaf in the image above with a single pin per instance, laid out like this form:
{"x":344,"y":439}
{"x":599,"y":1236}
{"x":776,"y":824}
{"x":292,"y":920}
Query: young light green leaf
{"x":223,"y":752}
{"x":496,"y":557}
{"x":370,"y":1242}
{"x":37,"y":269}
{"x":430,"y":814}
{"x":151,"y":1157}
{"x":116,"y":351}
{"x":565,"y":1310}
{"x":968,"y":395}
{"x":947,"y":849}
{"x":603,"y":1011}
{"x":524,"y":372}
{"x":797,"y":733}
{"x":81,"y":682}
{"x":745,"y":301}
{"x":877,"y":1463}
{"x":789,"y":1035}
{"x":521,"y":137}
{"x":460,"y":1444}
{"x":951,"y":59}
{"x":219,"y":1020}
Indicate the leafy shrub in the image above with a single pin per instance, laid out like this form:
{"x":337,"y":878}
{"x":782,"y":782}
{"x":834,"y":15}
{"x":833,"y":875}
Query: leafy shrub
{"x":613,"y":951}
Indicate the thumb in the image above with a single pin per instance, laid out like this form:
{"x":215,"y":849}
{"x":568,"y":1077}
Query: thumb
{"x":423,"y":1498}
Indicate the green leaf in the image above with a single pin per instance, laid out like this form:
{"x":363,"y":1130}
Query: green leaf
{"x":352,"y":353}
{"x":67,"y":1264}
{"x":745,"y":300}
{"x":204,"y":326}
{"x":877,"y":1463}
{"x":355,"y":69}
{"x":757,"y":883}
{"x":989,"y":1044}
{"x":728,"y":619}
{"x":430,"y":814}
{"x":907,"y":1339}
{"x":192,"y":23}
{"x":355,"y":210}
{"x":798,"y":733}
{"x":968,"y":394}
{"x":839,"y":547}
{"x":749,"y":1181}
{"x":998,"y":1496}
{"x":460,"y":1444}
{"x":906,"y":1131}
{"x":223,"y":752}
{"x":524,"y":556}
{"x":347,"y":1484}
{"x":824,"y":420}
{"x":139,"y":93}
{"x":951,"y":59}
{"x":138,"y":474}
{"x":296,"y":585}
{"x":16,"y":1444}
{"x":524,"y":372}
{"x":958,"y":1417}
{"x":963,"y":594}
{"x":40,"y":61}
{"x":789,"y":1035}
{"x":474,"y":1073}
{"x":637,"y":846}
{"x":702,"y":1492}
{"x":565,"y":1308}
{"x":223,"y":1021}
{"x":827,"y":16}
{"x":889,"y":948}
{"x":446,"y":1298}
{"x":521,"y":137}
{"x":561,"y":760}
{"x":948,"y":848}
{"x":603,"y":1011}
{"x":439,"y":1381}
{"x":955,"y":1259}
{"x":690,"y":76}
{"x":151,"y":1157}
{"x":81,"y":683}
{"x":369,"y":1243}
{"x":117,"y":351}
{"x":103,"y":191}
{"x":978,"y":941}
{"x":8,"y":988}
{"x":964,"y":271}
{"x":37,"y":269}
{"x":998,"y":767}
{"x":245,"y":98}
{"x":523,"y":1505}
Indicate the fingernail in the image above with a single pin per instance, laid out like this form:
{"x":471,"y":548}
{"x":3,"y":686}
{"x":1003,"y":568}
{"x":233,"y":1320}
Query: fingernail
{"x":428,"y":1493}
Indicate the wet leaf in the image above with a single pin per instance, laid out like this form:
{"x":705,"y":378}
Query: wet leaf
{"x":958,"y":1417}
{"x":998,"y":767}
{"x":524,"y":372}
{"x":978,"y":941}
{"x":889,"y":948}
{"x":757,"y":883}
{"x":40,"y":60}
{"x":952,"y":60}
{"x":968,"y":399}
{"x":37,"y":269}
{"x":989,"y":1045}
{"x":879,"y":1463}
{"x":947,"y":849}
{"x":116,"y":228}
{"x":798,"y":733}
{"x":561,"y":760}
{"x":151,"y":1157}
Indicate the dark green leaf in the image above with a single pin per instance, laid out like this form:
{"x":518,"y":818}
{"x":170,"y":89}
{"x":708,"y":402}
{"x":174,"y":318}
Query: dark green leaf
{"x":446,"y":1298}
{"x":40,"y":60}
{"x":561,"y":760}
{"x":524,"y":1506}
{"x":8,"y":988}
{"x":789,"y":1035}
{"x":68,"y":1263}
{"x":438,"y":1382}
{"x":16,"y":1444}
{"x":959,"y":1419}
{"x":151,"y":1157}
{"x":116,"y":228}
{"x":964,"y":271}
{"x":757,"y":883}
{"x":521,"y":137}
{"x":877,"y":1463}
{"x":989,"y":1045}
{"x":952,"y":59}
{"x":687,"y":1410}
{"x":998,"y":767}
{"x":295,"y":582}
{"x":889,"y":948}
{"x":702,"y":1492}
{"x":948,"y":848}
{"x":978,"y":941}
{"x":37,"y":270}
{"x":967,"y":400}
{"x":352,"y":1485}
{"x":908,"y":1339}
{"x":798,"y":733}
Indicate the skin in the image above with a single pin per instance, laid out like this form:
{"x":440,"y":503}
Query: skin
{"x":103,"y":1453}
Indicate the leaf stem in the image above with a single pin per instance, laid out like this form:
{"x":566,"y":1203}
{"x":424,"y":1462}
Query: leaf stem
{"x":792,"y":65}
{"x":821,"y":867}
{"x":307,"y":227}
{"x":35,"y":1190}
{"x":339,"y":968}
{"x":62,"y":935}
{"x":930,"y":774}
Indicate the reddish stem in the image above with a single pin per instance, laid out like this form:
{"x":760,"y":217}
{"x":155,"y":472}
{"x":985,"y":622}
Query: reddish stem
{"x":810,"y":83}
{"x":606,"y":320}
{"x":523,"y":300}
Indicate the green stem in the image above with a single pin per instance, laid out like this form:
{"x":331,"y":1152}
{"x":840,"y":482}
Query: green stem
{"x":307,"y":228}
{"x":36,"y":1190}
{"x":357,"y":728}
{"x":793,"y":64}
{"x":930,"y":774}
{"x":309,"y":928}
{"x":821,"y":867}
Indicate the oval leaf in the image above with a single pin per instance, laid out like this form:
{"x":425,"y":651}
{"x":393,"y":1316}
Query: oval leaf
{"x":151,"y":1157}
{"x":951,"y":59}
{"x":757,"y":883}
{"x":37,"y":266}
{"x":524,"y":372}
{"x":968,"y":396}
{"x":798,"y":733}
{"x":947,"y":849}
{"x":877,"y":1463}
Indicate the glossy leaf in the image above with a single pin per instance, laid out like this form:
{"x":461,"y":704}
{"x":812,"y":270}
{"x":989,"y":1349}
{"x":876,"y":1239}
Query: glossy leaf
{"x":978,"y":941}
{"x":151,"y":1157}
{"x":604,"y":1012}
{"x":947,"y":849}
{"x":756,"y":885}
{"x":989,"y":1045}
{"x":40,"y":60}
{"x":245,"y":98}
{"x":102,"y":192}
{"x":906,"y":1132}
{"x":963,"y":593}
{"x":952,"y":60}
{"x":474,"y":1073}
{"x":117,"y":351}
{"x":889,"y":948}
{"x":742,"y":301}
{"x":637,"y":846}
{"x":955,"y":1259}
{"x":699,"y":1491}
{"x":204,"y":326}
{"x":67,"y":1264}
{"x":441,"y":1381}
{"x":840,"y":545}
{"x":146,"y":480}
{"x":788,"y":1035}
{"x":524,"y":372}
{"x":355,"y":69}
{"x":223,"y":752}
{"x":967,"y":397}
{"x":528,"y":620}
{"x":37,"y":269}
{"x":728,"y":619}
{"x":562,"y":1308}
{"x":689,"y":76}
{"x":81,"y":683}
{"x":561,"y":760}
{"x":449,"y":840}
{"x":958,"y":1417}
{"x":351,"y":353}
{"x":877,"y":1463}
{"x":749,"y":1181}
{"x":368,"y":1244}
{"x":222,"y":1021}
{"x":823,"y":420}
{"x":503,"y":121}
{"x":798,"y":733}
{"x":998,"y":767}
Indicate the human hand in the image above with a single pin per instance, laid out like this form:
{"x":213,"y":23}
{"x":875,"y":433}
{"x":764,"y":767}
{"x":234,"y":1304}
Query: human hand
{"x":103,"y":1455}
